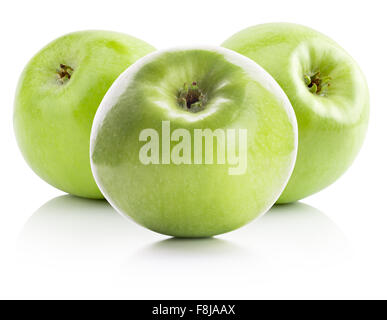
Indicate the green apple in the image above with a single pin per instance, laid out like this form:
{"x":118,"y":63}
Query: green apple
{"x":193,"y":142}
{"x":328,"y":92}
{"x":58,"y":94}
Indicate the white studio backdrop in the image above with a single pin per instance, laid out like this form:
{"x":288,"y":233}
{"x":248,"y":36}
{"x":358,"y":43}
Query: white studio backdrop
{"x":330,"y":245}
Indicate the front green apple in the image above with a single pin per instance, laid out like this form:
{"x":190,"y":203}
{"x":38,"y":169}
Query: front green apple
{"x":328,"y":93}
{"x":56,"y":99}
{"x":193,"y":142}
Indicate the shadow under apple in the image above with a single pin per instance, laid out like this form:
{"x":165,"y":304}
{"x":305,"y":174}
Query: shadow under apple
{"x":295,"y":235}
{"x":70,"y":238}
{"x":73,"y":229}
{"x":68,"y":230}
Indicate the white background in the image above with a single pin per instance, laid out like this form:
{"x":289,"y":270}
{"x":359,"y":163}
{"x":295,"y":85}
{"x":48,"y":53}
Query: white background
{"x":330,"y":245}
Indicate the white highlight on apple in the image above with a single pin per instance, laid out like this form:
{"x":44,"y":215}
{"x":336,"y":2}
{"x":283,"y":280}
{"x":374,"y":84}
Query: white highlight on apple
{"x":227,"y":141}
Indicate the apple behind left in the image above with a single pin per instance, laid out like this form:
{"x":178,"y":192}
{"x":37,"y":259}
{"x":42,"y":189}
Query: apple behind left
{"x":57,"y":97}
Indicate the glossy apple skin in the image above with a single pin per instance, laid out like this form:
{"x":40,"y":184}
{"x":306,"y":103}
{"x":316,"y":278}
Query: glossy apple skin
{"x":52,"y":120}
{"x":331,"y":127}
{"x":193,"y":200}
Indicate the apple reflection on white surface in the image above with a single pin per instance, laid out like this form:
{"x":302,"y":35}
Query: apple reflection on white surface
{"x":288,"y":236}
{"x":68,"y":229}
{"x":75,"y":229}
{"x":76,"y":243}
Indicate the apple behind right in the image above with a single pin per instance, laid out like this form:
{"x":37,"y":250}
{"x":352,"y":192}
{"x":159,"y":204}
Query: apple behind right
{"x":328,"y":92}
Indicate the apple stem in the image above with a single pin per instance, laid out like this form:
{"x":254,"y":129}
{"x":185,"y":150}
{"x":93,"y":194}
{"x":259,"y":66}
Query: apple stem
{"x":316,"y":83}
{"x":191,"y":98}
{"x":64,"y":73}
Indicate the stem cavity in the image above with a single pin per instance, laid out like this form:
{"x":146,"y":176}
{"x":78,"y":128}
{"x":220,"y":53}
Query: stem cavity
{"x":191,"y":98}
{"x":317,"y":84}
{"x":64,"y":73}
